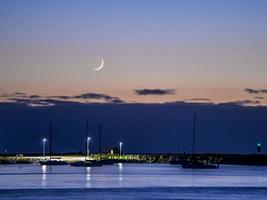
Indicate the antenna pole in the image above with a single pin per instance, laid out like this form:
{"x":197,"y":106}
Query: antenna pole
{"x":86,"y":136}
{"x":100,"y":140}
{"x":50,"y":139}
{"x":194,"y":133}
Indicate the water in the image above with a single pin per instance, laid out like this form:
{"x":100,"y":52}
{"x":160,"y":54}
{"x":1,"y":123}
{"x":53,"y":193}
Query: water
{"x":132,"y":181}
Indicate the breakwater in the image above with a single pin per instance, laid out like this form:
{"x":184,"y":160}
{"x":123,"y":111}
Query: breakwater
{"x":231,"y":159}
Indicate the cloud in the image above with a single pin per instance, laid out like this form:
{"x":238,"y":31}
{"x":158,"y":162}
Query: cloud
{"x":4,"y":95}
{"x":154,"y":91}
{"x":258,"y":97}
{"x":198,"y":99}
{"x":19,"y":93}
{"x":32,"y":102}
{"x":240,"y":103}
{"x":36,"y":100}
{"x":15,"y":94}
{"x":98,"y":96}
{"x":61,"y":97}
{"x":89,"y":96}
{"x":255,"y":91}
{"x":41,"y":102}
{"x":34,"y":96}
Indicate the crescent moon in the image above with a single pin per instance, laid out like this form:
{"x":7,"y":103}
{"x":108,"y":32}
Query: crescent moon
{"x":101,"y":65}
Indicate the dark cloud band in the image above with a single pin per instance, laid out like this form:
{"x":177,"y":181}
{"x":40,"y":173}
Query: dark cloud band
{"x":36,"y":100}
{"x":255,"y":91}
{"x":198,"y":99}
{"x":154,"y":91}
{"x":240,"y":103}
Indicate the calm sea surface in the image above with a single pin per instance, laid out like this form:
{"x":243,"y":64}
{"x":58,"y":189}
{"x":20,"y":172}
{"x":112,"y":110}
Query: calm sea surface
{"x":132,"y":181}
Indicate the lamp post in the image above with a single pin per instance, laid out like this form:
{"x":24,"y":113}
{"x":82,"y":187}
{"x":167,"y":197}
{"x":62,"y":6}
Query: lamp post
{"x":120,"y":148}
{"x":258,"y":147}
{"x":44,"y":141}
{"x":88,"y":147}
{"x":5,"y":156}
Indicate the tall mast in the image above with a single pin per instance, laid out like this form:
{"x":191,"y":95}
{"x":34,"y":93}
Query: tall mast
{"x":100,"y":140}
{"x":194,"y":133}
{"x":50,"y":139}
{"x":86,"y":136}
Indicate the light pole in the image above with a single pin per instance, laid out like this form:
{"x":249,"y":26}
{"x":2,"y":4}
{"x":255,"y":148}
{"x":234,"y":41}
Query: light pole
{"x":88,"y":147}
{"x":258,"y":147}
{"x":44,"y":141}
{"x":120,"y":148}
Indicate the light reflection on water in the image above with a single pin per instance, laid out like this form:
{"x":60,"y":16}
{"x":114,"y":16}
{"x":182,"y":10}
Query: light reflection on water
{"x":44,"y":167}
{"x":88,"y":177}
{"x":120,"y":167}
{"x":129,"y":176}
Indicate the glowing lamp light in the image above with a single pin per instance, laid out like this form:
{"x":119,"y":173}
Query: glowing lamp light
{"x":44,"y":141}
{"x":88,"y":146}
{"x":120,"y":147}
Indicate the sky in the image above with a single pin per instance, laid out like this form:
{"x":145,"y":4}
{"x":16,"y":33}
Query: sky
{"x":206,"y":49}
{"x":164,"y":60}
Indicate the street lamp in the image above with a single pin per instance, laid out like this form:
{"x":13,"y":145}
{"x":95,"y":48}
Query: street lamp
{"x":120,"y":148}
{"x":258,"y":147}
{"x":44,"y":141}
{"x":88,"y":147}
